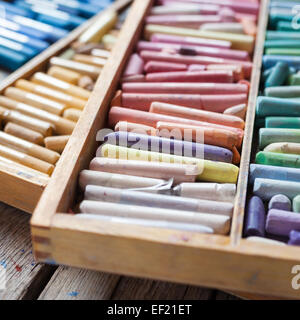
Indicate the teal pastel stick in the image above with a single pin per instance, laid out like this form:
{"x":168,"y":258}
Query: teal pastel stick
{"x":266,"y":74}
{"x":10,"y":59}
{"x":273,"y":135}
{"x":267,"y":188}
{"x":285,"y":26}
{"x":282,"y":35}
{"x":282,"y":122}
{"x":278,"y":159}
{"x":278,"y":44}
{"x":283,"y":91}
{"x":269,"y":106}
{"x":278,"y":75}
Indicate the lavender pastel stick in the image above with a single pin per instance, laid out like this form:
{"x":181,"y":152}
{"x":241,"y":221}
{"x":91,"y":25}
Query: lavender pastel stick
{"x":280,"y":202}
{"x":281,"y":223}
{"x":169,"y":146}
{"x":273,"y":172}
{"x":267,"y":188}
{"x":294,"y":238}
{"x":255,"y":218}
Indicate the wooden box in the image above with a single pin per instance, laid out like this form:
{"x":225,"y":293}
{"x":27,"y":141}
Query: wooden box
{"x":224,"y":262}
{"x":16,"y":188}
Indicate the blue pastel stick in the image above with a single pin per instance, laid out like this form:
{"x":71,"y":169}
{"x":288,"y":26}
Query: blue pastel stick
{"x":13,"y":26}
{"x":53,"y":33}
{"x":10,"y":59}
{"x":294,"y":238}
{"x":85,"y":9}
{"x":38,"y":45}
{"x":274,"y":173}
{"x":271,"y":60}
{"x":6,"y":7}
{"x":18,"y":47}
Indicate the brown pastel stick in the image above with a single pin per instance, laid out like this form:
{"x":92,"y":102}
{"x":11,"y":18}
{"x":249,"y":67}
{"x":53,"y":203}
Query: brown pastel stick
{"x":86,"y":48}
{"x":45,"y":128}
{"x":24,"y":133}
{"x":56,"y":143}
{"x":28,"y":148}
{"x":61,"y":125}
{"x":64,"y":74}
{"x":72,"y":114}
{"x":26,"y":160}
{"x":95,"y":61}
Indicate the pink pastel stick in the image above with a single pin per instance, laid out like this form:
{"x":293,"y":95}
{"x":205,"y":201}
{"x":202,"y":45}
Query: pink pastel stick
{"x":184,"y":9}
{"x":185,"y":88}
{"x":134,"y":78}
{"x":194,"y":50}
{"x":203,"y":60}
{"x":216,"y":103}
{"x":198,"y":76}
{"x":164,"y":38}
{"x":196,"y":67}
{"x":156,"y":66}
{"x":135,"y":66}
{"x":184,"y":21}
{"x":237,"y":6}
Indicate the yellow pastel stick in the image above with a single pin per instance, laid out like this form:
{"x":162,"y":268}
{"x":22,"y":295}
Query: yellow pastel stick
{"x":210,"y":171}
{"x":104,"y":24}
{"x":238,"y":41}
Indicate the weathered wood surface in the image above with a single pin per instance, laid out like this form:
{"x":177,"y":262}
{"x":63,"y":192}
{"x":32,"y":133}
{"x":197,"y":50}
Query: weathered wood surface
{"x":28,"y":280}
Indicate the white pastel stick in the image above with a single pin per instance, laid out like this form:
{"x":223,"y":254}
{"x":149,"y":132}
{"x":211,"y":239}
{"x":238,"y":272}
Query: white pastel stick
{"x":149,"y":223}
{"x":219,"y":223}
{"x":138,"y":198}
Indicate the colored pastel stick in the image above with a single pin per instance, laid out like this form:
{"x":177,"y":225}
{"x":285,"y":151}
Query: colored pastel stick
{"x":278,"y":75}
{"x":156,"y":66}
{"x":193,"y":50}
{"x":238,"y":111}
{"x":87,"y":10}
{"x":267,"y":188}
{"x":273,"y":135}
{"x":278,"y":44}
{"x":294,"y":239}
{"x":283,"y":147}
{"x":215,"y":103}
{"x":271,"y":60}
{"x":186,"y":88}
{"x":165,"y":38}
{"x":238,"y":72}
{"x":148,"y":223}
{"x":239,"y":42}
{"x":117,"y":114}
{"x":185,"y":8}
{"x":53,"y":33}
{"x":211,"y":171}
{"x":36,"y":44}
{"x":282,"y":35}
{"x":130,"y":197}
{"x":255,"y":218}
{"x":195,"y":114}
{"x":158,"y":170}
{"x":11,"y":59}
{"x":115,"y":180}
{"x":191,"y":76}
{"x":201,"y":60}
{"x":269,"y":106}
{"x":283,"y":92}
{"x":135,"y":65}
{"x":280,"y":202}
{"x":164,"y":145}
{"x":284,"y":52}
{"x":11,"y":8}
{"x":219,"y":223}
{"x":283,"y":122}
{"x":210,"y":191}
{"x":281,"y":222}
{"x":274,"y":173}
{"x":126,"y":126}
{"x":278,"y":159}
{"x":294,"y":80}
{"x":296,"y":204}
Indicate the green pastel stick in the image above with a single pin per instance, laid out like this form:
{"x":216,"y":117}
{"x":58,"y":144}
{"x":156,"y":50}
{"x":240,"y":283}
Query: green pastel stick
{"x":294,"y":80}
{"x":283,"y":52}
{"x":273,"y":135}
{"x":268,"y":106}
{"x":296,"y":204}
{"x":278,"y":159}
{"x":283,"y":92}
{"x":282,"y":44}
{"x":278,"y":75}
{"x":283,"y":122}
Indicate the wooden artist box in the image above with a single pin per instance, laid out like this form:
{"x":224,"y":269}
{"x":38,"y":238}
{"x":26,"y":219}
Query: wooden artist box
{"x":19,"y":189}
{"x":226,"y":262}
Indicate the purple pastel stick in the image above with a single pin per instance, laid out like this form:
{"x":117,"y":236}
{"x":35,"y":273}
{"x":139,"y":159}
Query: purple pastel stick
{"x":255,"y":218}
{"x":280,"y":202}
{"x":280,"y":222}
{"x":294,"y":238}
{"x":170,"y":146}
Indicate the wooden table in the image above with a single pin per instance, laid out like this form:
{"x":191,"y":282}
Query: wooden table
{"x":27,"y":280}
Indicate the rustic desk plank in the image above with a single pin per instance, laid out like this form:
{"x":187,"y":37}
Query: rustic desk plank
{"x":24,"y":278}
